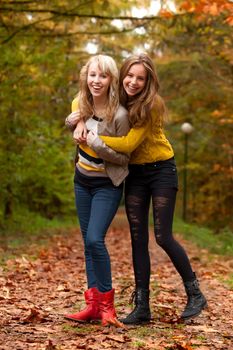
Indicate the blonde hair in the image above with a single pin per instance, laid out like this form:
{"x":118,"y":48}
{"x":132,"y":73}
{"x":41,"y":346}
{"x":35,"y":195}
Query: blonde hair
{"x":141,"y":105}
{"x":86,"y":106}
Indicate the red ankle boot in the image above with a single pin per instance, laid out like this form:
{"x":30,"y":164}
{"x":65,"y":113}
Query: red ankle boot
{"x":107,"y":309}
{"x":91,"y":311}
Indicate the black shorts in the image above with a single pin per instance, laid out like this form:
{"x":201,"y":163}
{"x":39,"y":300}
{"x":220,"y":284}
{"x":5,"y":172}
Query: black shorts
{"x":161,"y":174}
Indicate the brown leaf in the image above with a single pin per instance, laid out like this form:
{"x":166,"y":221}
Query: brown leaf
{"x":181,"y":346}
{"x":117,"y":338}
{"x":50,"y":345}
{"x":34,"y":316}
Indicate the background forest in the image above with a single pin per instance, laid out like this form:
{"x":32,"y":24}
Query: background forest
{"x":43,"y":46}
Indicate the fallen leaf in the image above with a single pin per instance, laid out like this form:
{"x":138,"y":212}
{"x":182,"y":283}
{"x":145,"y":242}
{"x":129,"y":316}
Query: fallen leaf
{"x":34,"y":316}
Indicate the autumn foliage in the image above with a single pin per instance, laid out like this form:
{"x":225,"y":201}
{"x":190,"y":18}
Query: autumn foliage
{"x":203,"y":8}
{"x":43,"y":46}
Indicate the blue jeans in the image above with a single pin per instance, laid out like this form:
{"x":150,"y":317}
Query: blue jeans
{"x":96,"y":207}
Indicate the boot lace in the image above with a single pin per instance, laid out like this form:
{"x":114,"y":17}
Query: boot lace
{"x":133,"y":297}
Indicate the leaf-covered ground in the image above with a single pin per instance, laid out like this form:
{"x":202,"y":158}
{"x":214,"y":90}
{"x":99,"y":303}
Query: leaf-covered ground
{"x":37,"y":289}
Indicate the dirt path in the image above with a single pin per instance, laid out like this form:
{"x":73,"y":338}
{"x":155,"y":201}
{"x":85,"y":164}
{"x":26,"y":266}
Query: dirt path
{"x":35,"y":293}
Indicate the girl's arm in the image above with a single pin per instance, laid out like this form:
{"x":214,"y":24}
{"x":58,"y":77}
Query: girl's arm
{"x":76,"y":124}
{"x":72,"y":120}
{"x":121,"y":127}
{"x":80,"y":132}
{"x":74,"y":117}
{"x":128,"y":143}
{"x":105,"y":152}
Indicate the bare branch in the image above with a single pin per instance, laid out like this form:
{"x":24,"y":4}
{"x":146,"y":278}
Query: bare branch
{"x":53,"y":34}
{"x":80,"y":15}
{"x":19,"y":2}
{"x":24,"y":28}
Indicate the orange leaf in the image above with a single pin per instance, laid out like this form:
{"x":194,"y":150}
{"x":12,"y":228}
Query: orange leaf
{"x":187,"y":6}
{"x":229,"y":20}
{"x":213,"y":9}
{"x":165,"y":13}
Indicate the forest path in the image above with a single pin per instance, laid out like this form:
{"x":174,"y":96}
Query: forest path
{"x":36,"y":291}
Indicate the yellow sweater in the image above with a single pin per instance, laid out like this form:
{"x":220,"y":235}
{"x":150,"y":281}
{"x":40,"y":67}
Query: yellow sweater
{"x":146,"y":144}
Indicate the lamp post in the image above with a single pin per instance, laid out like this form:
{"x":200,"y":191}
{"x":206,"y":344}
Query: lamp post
{"x":187,"y":129}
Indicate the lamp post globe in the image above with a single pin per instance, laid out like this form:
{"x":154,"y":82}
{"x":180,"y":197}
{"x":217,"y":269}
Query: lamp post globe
{"x":187,"y":129}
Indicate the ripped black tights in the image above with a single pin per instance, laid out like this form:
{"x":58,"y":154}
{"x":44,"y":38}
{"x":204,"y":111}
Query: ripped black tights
{"x":137,"y":201}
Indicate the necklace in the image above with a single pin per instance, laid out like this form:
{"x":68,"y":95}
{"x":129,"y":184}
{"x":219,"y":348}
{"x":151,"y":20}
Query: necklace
{"x":100,"y":112}
{"x":100,"y":109}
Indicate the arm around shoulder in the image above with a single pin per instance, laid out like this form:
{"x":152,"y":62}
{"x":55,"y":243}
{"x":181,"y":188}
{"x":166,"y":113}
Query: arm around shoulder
{"x":106,"y":152}
{"x":128,"y":143}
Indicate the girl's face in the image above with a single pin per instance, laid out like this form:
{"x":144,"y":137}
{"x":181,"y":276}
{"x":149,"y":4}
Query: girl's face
{"x":97,"y":81}
{"x":135,"y":80}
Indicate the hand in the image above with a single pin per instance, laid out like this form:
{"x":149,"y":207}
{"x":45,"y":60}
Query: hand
{"x":80,"y":132}
{"x":73,"y":118}
{"x":91,"y":136}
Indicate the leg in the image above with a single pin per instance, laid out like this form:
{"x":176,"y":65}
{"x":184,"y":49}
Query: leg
{"x":163,"y":209}
{"x":96,"y":209}
{"x":137,"y":201}
{"x":83,"y":200}
{"x":137,"y":204}
{"x":91,"y":295}
{"x":105,"y":202}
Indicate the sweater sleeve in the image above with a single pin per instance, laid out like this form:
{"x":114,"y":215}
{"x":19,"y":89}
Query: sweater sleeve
{"x":74,"y":105}
{"x":73,"y":118}
{"x":121,"y":126}
{"x":109,"y":154}
{"x":128,"y":143}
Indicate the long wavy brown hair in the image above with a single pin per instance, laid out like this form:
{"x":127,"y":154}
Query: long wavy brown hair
{"x":140,"y":106}
{"x":85,"y":100}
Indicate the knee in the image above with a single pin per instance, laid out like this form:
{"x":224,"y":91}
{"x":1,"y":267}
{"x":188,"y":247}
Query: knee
{"x":94,"y":245}
{"x":161,"y":241}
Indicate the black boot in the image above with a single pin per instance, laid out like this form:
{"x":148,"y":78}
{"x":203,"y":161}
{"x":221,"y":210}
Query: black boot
{"x":196,"y":300}
{"x":141,"y":312}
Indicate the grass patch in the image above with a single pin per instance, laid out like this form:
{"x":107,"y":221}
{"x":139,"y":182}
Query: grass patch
{"x":25,"y":229}
{"x":154,"y":288}
{"x":142,"y":332}
{"x":138,"y":344}
{"x":229,"y":281}
{"x":81,"y":329}
{"x":26,"y":222}
{"x":221,"y":243}
{"x":201,"y":338}
{"x":218,"y":243}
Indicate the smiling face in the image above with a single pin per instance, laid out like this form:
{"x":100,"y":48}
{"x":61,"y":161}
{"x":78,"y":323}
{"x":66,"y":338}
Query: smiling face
{"x":135,"y":79}
{"x":98,"y":82}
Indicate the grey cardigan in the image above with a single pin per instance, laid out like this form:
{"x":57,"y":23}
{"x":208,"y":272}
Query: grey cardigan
{"x":116,"y":164}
